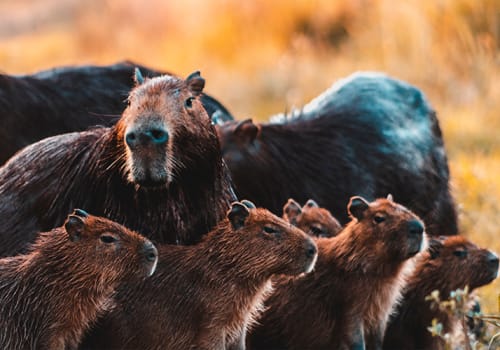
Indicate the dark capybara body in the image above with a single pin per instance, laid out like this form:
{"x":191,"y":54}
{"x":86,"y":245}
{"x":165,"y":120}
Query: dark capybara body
{"x":367,"y":135}
{"x":206,"y":296}
{"x":158,"y":171}
{"x":51,"y":295}
{"x":448,"y":264}
{"x":68,"y":99}
{"x":346,"y":301}
{"x":311,"y":218}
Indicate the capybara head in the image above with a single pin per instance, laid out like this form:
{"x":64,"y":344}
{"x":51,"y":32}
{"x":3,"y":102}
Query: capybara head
{"x":460,"y":262}
{"x":164,"y":129}
{"x":312,"y":219}
{"x":237,"y":138}
{"x":394,"y":232}
{"x":271,"y":242}
{"x":109,"y":247}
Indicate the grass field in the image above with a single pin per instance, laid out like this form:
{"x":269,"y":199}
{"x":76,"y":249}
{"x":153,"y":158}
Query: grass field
{"x":263,"y":57}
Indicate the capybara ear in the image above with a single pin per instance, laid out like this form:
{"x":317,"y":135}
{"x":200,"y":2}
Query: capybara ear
{"x":311,"y":203}
{"x":195,"y":83}
{"x":248,"y":204}
{"x":74,"y":226}
{"x":435,"y":247}
{"x":389,"y":197}
{"x":138,"y":78}
{"x":357,"y":206}
{"x":246,"y":130}
{"x":291,"y":210}
{"x":237,"y":215}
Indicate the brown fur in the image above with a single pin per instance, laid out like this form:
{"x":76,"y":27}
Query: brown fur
{"x":50,"y":296}
{"x":206,"y":296}
{"x":153,"y":188}
{"x":447,"y":265}
{"x":313,"y":220}
{"x":357,"y":279}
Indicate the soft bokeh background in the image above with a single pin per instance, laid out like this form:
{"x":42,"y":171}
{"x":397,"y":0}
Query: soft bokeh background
{"x":264,"y":57}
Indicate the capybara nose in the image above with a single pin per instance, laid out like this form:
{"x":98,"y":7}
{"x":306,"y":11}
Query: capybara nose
{"x":311,"y":250}
{"x":492,"y":262}
{"x":415,"y":227}
{"x":156,"y":137}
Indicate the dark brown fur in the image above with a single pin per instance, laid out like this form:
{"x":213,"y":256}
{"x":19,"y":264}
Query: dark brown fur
{"x":345,"y":302}
{"x":206,"y":296}
{"x":312,"y":219}
{"x":447,"y":265}
{"x":50,"y":296}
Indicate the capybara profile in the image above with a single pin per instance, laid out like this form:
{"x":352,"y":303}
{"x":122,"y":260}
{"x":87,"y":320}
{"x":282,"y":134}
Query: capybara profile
{"x":51,"y":295}
{"x":367,"y":135}
{"x":158,"y":171}
{"x":346,"y":301}
{"x":311,"y":218}
{"x":207,"y":295}
{"x":67,"y":99}
{"x":448,"y":264}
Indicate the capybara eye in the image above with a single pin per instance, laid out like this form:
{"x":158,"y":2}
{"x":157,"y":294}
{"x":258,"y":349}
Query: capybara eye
{"x":460,"y":253}
{"x":107,"y":239}
{"x":189,"y":102}
{"x":378,"y":219}
{"x":270,"y":230}
{"x":316,"y":230}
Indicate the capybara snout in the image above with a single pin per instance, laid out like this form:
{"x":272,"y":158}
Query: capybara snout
{"x":146,"y":137}
{"x":415,"y":236}
{"x":492,"y":260}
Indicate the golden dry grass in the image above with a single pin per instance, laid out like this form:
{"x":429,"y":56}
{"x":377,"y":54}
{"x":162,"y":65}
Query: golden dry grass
{"x":262,"y":57}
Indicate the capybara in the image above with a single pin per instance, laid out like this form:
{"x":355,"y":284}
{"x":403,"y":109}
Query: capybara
{"x":448,"y":264}
{"x":207,"y":295}
{"x":311,"y":218}
{"x":367,"y":135}
{"x":51,"y":295}
{"x":67,"y":99}
{"x":346,"y":301}
{"x":158,"y":171}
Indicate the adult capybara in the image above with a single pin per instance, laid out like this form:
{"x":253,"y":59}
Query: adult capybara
{"x":346,"y":301}
{"x":207,"y":295}
{"x":159,"y":171}
{"x":69,"y":99}
{"x":51,"y":295}
{"x":311,"y":218}
{"x":447,"y":265}
{"x":367,"y":135}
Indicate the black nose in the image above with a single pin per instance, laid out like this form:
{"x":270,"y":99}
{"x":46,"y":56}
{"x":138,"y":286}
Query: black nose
{"x":150,"y":252}
{"x":492,"y":262}
{"x":156,"y":137}
{"x":415,"y":227}
{"x":311,"y":250}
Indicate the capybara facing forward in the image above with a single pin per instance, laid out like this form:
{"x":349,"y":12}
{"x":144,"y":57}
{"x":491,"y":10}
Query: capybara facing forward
{"x":449,"y":263}
{"x":311,"y":218}
{"x":206,"y":296}
{"x":150,"y":172}
{"x":50,"y":296}
{"x":346,"y":301}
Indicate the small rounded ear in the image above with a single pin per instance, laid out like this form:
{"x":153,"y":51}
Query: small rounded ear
{"x":357,"y":206}
{"x":311,"y":203}
{"x":81,"y":213}
{"x":248,"y":204}
{"x":138,"y":78}
{"x":195,"y":83}
{"x":389,"y":197}
{"x":291,"y":210}
{"x":246,"y":130}
{"x":237,"y":215}
{"x":435,"y":246}
{"x":74,"y":227}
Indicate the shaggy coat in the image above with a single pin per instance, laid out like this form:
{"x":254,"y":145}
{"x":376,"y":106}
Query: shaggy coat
{"x":169,"y":184}
{"x":68,"y":99}
{"x":367,"y":135}
{"x":448,"y":265}
{"x":50,"y":296}
{"x":313,"y":220}
{"x":346,"y":301}
{"x":206,"y":296}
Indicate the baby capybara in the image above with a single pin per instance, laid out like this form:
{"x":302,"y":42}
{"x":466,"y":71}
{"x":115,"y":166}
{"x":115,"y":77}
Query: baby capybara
{"x":206,"y":296}
{"x":66,"y":99}
{"x":449,"y":263}
{"x":51,"y":295}
{"x":346,"y":301}
{"x":150,"y":172}
{"x":311,"y":218}
{"x":367,"y":135}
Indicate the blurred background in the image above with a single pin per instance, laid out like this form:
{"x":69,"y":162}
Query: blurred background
{"x":264,"y":57}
